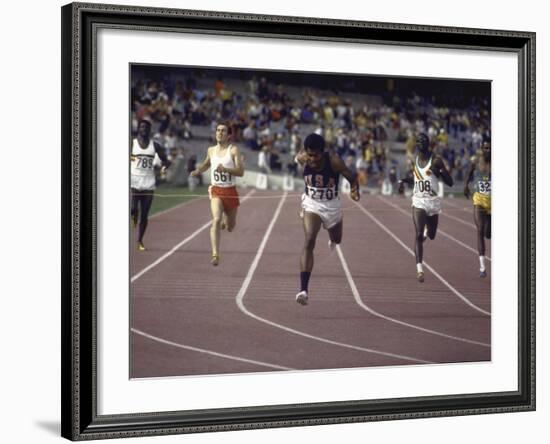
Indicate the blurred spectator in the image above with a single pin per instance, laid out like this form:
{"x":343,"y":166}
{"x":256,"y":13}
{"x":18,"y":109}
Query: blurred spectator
{"x":218,"y":87}
{"x":264,"y":113}
{"x":250,"y":137}
{"x":264,"y":160}
{"x":280,"y":144}
{"x":192,"y":166}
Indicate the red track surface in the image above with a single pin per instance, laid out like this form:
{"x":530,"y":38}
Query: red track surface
{"x":190,"y":318}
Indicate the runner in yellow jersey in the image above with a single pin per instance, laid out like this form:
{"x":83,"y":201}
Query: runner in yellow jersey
{"x":480,"y":174}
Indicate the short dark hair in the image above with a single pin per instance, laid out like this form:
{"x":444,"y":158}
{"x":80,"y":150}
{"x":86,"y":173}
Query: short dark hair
{"x":148,"y":122}
{"x":227,"y":124}
{"x":423,"y":140}
{"x":314,"y":142}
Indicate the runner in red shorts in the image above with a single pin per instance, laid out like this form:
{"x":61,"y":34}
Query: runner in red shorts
{"x":225,"y":162}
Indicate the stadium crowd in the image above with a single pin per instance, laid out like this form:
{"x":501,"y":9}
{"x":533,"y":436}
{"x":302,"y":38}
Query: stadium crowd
{"x":271,"y":119}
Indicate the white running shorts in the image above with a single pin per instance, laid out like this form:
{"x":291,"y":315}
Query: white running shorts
{"x":330,"y":211}
{"x":432,"y":205}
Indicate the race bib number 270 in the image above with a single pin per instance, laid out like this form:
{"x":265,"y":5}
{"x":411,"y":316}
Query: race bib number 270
{"x":321,"y":193}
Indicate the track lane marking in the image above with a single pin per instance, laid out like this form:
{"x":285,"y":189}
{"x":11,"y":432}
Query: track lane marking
{"x":179,"y":245}
{"x":359,"y":300}
{"x":457,"y":207}
{"x":458,"y":219}
{"x":440,"y":231}
{"x":246,"y":283}
{"x":435,"y":273}
{"x":209,"y":352}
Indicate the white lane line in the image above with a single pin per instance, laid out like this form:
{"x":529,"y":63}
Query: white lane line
{"x":360,"y":302}
{"x":463,"y":208}
{"x":181,"y":244}
{"x":248,"y":279}
{"x":440,"y":231}
{"x":435,"y":273}
{"x":209,"y":352}
{"x":458,"y":219}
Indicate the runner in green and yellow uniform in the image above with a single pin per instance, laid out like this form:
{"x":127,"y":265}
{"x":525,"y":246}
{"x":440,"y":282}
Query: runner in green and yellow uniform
{"x":480,"y":174}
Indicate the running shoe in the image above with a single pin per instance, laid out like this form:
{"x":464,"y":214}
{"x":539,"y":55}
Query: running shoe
{"x":331,"y":245}
{"x":301,"y":298}
{"x":215,"y":260}
{"x":141,"y":247}
{"x":420,"y":276}
{"x":482,"y":273}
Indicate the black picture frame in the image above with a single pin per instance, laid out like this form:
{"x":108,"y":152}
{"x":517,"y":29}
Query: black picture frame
{"x":80,"y":420}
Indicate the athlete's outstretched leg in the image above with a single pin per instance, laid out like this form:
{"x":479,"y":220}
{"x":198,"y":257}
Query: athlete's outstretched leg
{"x":134,"y":207}
{"x":483,"y":227}
{"x":312,"y":225}
{"x":216,"y":207}
{"x":431,"y":225}
{"x":480,"y":217}
{"x":231,"y":219}
{"x":419,"y":219}
{"x":335,"y":234}
{"x":146,"y":199}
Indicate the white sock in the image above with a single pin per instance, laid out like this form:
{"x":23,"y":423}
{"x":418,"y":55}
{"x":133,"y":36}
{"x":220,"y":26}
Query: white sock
{"x":419,"y":268}
{"x":481,"y":263}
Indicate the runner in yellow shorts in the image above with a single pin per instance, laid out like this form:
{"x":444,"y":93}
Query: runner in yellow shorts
{"x":480,"y":174}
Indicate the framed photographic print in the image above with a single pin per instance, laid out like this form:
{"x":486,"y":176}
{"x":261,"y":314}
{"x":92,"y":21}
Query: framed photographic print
{"x":281,"y":221}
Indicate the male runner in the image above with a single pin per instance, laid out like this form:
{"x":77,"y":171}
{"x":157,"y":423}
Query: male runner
{"x":320,"y":202}
{"x":426,"y":204}
{"x":142,"y":176}
{"x":225,"y":162}
{"x":480,"y":173}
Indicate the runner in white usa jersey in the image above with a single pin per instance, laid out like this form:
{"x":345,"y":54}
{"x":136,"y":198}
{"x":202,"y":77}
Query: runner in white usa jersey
{"x":426,"y":204}
{"x":320,"y":202}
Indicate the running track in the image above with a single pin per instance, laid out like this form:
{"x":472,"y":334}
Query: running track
{"x":366,"y":307}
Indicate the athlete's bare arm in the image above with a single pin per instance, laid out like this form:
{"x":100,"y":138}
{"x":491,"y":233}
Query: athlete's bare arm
{"x":339,"y":166}
{"x":203,"y":166}
{"x":440,"y":171}
{"x":469,"y":178}
{"x":162,"y":155}
{"x":408,"y":179}
{"x":301,"y":157}
{"x":238,"y":170}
